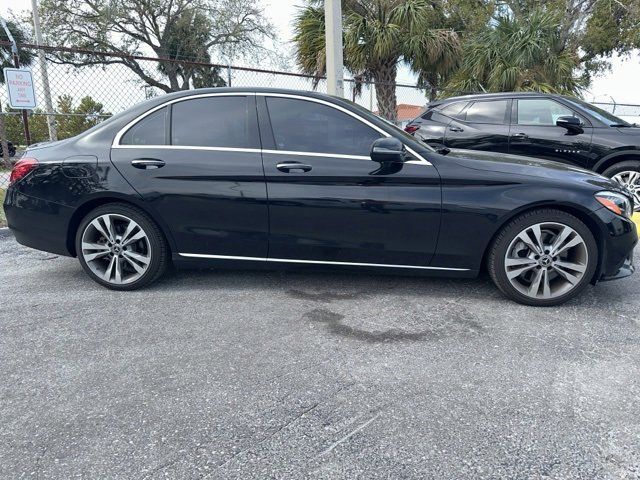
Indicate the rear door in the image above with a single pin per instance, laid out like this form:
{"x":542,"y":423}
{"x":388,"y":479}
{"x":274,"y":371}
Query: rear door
{"x":197,"y":164}
{"x":483,"y":125}
{"x":534,"y":132}
{"x":329,"y":202}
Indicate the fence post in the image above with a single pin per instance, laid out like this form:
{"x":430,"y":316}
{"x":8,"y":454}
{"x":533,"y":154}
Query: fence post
{"x":228,"y":75}
{"x":46,"y":90}
{"x":4,"y":141}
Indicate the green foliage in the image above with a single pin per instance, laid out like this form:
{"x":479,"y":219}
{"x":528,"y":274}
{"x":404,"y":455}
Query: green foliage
{"x":519,"y":53}
{"x":174,"y":31}
{"x":378,"y":35}
{"x":78,"y":118}
{"x":24,"y":56}
{"x":614,"y":26}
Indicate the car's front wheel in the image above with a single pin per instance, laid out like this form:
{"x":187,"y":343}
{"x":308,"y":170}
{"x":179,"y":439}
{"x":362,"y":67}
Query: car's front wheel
{"x":121,"y":247}
{"x":543,"y":258}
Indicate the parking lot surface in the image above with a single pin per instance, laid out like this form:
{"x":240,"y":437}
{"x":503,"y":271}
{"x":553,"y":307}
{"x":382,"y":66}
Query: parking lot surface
{"x":223,"y":374}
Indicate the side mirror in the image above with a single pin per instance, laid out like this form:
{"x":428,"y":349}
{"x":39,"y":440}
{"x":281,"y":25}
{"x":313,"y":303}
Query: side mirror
{"x":388,"y":150}
{"x":573,"y":124}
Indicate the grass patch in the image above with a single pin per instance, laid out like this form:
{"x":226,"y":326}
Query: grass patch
{"x":3,"y":219}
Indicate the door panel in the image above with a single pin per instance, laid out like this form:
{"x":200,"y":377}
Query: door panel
{"x":483,"y":125}
{"x":212,"y":196}
{"x":535,"y":134}
{"x":347,"y":210}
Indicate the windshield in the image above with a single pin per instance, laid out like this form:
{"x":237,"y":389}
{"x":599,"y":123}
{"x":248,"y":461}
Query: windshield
{"x":602,"y":115}
{"x":397,"y":129}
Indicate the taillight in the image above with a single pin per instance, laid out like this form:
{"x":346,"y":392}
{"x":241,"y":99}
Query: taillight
{"x":411,"y":128}
{"x":22,"y":168}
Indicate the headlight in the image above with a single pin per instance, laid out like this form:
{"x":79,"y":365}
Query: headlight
{"x":616,"y":202}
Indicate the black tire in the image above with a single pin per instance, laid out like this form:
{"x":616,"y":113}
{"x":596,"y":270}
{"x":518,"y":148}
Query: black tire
{"x":498,"y":252}
{"x":158,"y":248}
{"x":629,"y":165}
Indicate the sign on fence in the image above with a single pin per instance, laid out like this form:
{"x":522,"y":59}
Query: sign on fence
{"x":22,"y":93}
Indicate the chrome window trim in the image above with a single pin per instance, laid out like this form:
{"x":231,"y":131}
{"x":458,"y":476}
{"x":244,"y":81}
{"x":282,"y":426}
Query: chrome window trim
{"x":116,"y":141}
{"x":317,"y":262}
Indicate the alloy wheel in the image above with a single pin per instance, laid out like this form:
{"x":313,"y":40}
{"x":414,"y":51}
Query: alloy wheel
{"x":116,"y":249}
{"x":546,"y":260}
{"x":631,"y":180}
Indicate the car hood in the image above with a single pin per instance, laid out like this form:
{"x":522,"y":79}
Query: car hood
{"x":531,"y":167}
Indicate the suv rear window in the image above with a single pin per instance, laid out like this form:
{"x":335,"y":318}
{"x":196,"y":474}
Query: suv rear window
{"x":453,"y":109}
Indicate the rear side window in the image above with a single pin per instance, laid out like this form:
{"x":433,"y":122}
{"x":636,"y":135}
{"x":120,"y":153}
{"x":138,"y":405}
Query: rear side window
{"x":541,"y":111}
{"x":303,"y":126}
{"x":453,"y":110}
{"x":494,"y":112}
{"x":212,"y":122}
{"x":151,"y":130}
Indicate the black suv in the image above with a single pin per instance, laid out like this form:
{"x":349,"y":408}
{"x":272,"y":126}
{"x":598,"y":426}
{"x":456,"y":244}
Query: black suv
{"x":554,"y":127}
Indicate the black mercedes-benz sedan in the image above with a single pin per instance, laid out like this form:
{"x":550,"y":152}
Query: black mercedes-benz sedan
{"x":261,"y":177}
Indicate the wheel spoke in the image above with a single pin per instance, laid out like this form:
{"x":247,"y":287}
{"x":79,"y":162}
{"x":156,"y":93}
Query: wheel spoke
{"x":535,"y":284}
{"x":519,"y":271}
{"x":136,"y":256}
{"x":575,"y":241}
{"x":98,"y":226}
{"x":562,"y":237}
{"x":526,"y":239}
{"x":109,"y":271}
{"x":519,"y":262}
{"x":110,"y":228}
{"x":546,"y":287}
{"x":134,"y":238}
{"x":131,"y":226}
{"x":137,"y":267}
{"x":572,"y":279}
{"x":118,"y":269}
{"x":576,"y":267}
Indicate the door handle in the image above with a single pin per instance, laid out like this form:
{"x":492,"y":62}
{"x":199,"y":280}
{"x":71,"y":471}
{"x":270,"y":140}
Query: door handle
{"x":288,"y":166}
{"x":521,"y":136}
{"x":147,"y":163}
{"x":456,"y":129}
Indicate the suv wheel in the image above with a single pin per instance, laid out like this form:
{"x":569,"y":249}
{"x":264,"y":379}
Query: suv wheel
{"x":627,"y":174}
{"x":543,"y":258}
{"x":120,"y":247}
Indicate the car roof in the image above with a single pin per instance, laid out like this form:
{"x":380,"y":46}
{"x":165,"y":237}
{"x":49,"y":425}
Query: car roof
{"x":491,"y":96}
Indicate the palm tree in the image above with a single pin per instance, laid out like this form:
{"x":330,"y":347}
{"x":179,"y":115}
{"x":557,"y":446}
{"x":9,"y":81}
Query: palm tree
{"x":377,"y":36}
{"x":519,"y":53}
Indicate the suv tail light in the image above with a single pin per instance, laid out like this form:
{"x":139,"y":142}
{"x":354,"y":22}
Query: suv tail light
{"x":411,"y":128}
{"x":22,"y":168}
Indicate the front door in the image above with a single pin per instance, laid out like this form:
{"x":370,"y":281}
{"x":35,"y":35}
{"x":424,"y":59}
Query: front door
{"x":197,"y":164}
{"x":534,"y":133}
{"x":329,"y":202}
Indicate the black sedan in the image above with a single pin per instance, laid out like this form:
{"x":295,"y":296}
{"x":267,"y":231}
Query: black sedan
{"x":262,"y":177}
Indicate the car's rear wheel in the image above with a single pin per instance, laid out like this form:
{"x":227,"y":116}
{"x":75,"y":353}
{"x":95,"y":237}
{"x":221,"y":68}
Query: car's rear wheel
{"x":627,"y":174}
{"x":121,"y":247}
{"x":543,"y":258}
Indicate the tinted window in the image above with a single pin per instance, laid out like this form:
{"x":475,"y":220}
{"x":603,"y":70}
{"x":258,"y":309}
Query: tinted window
{"x":602,"y":115}
{"x":302,"y":126}
{"x":488,"y":112}
{"x":150,"y":130}
{"x":211,"y":122}
{"x":453,"y":109}
{"x":541,"y":111}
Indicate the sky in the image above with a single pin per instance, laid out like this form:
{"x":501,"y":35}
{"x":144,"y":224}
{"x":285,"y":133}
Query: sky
{"x":619,"y":85}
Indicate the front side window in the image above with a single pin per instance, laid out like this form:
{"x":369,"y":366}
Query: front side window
{"x":304,"y":126}
{"x":151,"y":130}
{"x":493,"y":111}
{"x":211,"y":122}
{"x":541,"y":111}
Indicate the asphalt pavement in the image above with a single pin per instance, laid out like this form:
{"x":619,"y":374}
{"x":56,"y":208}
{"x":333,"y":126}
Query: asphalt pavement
{"x":229,"y":374}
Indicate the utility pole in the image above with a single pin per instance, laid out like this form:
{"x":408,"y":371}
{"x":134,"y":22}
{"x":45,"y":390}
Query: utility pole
{"x":51,"y":120}
{"x":16,"y":63}
{"x":333,"y":35}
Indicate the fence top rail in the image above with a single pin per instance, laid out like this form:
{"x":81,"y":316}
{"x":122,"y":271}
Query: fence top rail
{"x":126,"y":56}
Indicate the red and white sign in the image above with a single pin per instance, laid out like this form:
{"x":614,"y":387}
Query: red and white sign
{"x":22,"y":93}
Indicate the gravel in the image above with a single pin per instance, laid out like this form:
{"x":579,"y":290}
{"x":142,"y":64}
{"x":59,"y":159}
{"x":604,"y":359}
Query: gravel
{"x":245,"y":374}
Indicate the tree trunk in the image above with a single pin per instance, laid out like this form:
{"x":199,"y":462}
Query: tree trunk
{"x":385,"y":77}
